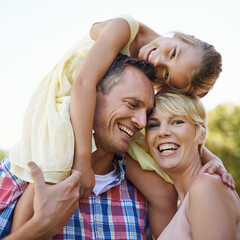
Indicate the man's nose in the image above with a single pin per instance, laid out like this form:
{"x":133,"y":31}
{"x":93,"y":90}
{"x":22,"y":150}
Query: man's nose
{"x":140,"y":119}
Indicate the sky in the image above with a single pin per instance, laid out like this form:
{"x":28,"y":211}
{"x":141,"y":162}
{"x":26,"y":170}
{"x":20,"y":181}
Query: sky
{"x":34,"y":35}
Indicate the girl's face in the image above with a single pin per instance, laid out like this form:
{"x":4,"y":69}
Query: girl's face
{"x":173,"y":58}
{"x":172,"y":140}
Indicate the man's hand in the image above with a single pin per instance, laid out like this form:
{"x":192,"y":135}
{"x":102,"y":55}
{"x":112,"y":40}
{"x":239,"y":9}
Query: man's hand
{"x":215,"y":167}
{"x":53,"y":206}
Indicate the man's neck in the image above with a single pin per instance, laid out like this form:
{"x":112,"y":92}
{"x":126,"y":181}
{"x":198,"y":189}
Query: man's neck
{"x":102,"y":162}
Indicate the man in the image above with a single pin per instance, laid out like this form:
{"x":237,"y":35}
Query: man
{"x":115,"y":209}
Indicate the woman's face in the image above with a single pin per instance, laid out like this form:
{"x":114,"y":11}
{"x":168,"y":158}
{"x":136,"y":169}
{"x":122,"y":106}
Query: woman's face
{"x":171,"y":139}
{"x":173,"y":58}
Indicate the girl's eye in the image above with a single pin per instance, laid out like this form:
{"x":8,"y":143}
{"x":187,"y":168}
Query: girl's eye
{"x":173,"y":54}
{"x":166,"y":75}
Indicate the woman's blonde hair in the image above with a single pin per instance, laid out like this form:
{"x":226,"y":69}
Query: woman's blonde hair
{"x":189,"y":106}
{"x":203,"y":78}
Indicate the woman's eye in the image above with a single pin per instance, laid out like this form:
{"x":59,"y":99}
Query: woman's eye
{"x":173,"y":54}
{"x":177,"y":122}
{"x":152,"y":125}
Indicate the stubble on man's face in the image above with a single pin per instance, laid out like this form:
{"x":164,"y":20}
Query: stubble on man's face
{"x":122,"y":112}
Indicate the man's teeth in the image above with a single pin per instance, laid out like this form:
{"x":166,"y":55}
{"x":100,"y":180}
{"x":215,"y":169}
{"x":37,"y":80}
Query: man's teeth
{"x":167,"y":148}
{"x":125,"y":130}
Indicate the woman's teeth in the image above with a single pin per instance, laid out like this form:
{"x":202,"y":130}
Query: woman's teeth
{"x":166,"y":148}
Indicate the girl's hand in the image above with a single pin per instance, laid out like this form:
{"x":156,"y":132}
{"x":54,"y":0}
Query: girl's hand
{"x":215,"y":167}
{"x":87,"y":177}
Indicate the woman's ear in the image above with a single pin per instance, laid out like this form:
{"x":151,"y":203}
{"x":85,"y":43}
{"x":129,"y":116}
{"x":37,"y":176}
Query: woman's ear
{"x":203,"y":135}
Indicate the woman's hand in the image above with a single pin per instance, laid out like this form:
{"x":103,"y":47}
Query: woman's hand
{"x":215,"y":167}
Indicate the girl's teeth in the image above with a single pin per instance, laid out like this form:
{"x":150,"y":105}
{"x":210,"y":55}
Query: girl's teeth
{"x":150,"y":56}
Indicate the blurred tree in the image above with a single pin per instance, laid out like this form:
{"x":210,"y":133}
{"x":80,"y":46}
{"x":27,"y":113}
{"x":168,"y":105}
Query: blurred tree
{"x":224,"y":137}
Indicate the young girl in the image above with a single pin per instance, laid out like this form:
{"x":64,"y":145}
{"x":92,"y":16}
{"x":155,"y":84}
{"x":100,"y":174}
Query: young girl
{"x":55,"y":142}
{"x":175,"y":133}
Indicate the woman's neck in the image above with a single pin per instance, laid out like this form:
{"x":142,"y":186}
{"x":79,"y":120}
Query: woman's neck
{"x":144,"y":36}
{"x":183,"y":179}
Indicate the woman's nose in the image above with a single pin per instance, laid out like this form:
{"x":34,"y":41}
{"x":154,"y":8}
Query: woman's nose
{"x":164,"y":130}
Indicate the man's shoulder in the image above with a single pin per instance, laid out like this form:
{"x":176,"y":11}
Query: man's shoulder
{"x":11,"y":187}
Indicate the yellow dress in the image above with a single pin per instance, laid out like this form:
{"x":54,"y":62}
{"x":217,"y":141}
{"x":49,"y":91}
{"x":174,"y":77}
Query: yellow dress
{"x":47,"y":135}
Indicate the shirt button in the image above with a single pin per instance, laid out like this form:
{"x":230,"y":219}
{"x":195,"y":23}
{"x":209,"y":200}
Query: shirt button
{"x":99,"y":229}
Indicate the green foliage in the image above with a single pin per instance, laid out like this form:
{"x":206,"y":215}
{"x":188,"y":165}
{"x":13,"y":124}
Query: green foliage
{"x":224,"y":137}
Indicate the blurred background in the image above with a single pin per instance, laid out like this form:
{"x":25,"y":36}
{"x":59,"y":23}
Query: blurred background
{"x":34,"y":35}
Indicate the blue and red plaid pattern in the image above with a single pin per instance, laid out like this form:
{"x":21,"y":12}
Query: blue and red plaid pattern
{"x":118,"y":213}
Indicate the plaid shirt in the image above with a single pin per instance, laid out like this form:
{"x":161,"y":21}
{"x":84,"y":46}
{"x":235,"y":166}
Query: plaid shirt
{"x":120,"y":212}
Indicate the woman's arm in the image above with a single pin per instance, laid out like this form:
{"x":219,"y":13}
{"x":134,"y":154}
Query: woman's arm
{"x":160,"y":194}
{"x":111,"y":37}
{"x":213,"y":209}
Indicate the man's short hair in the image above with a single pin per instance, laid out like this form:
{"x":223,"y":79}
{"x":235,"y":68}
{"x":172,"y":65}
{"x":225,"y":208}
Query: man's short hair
{"x":115,"y":72}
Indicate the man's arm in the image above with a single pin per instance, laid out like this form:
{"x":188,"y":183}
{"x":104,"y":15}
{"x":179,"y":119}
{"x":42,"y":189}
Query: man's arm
{"x":53,"y":206}
{"x":161,"y":195}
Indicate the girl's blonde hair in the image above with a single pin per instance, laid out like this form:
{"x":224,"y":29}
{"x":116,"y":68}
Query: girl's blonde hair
{"x":185,"y":105}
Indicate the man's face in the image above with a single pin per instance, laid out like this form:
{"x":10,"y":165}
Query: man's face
{"x":123,"y":111}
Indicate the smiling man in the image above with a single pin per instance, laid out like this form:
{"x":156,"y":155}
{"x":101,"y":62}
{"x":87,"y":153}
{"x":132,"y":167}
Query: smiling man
{"x":115,"y":209}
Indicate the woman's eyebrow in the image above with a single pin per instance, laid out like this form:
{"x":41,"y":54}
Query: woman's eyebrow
{"x":153,"y":119}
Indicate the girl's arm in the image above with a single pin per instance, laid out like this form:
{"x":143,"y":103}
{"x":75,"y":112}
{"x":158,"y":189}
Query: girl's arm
{"x":213,"y":209}
{"x":161,"y":195}
{"x":213,"y":164}
{"x":111,"y":36}
{"x":24,"y":209}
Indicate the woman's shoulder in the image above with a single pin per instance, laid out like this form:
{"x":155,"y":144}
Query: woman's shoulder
{"x":210,"y":188}
{"x":206,"y":183}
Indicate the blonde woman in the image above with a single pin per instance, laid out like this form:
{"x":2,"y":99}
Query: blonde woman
{"x":207,"y":209}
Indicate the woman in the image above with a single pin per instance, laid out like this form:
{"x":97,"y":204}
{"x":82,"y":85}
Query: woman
{"x":175,"y":133}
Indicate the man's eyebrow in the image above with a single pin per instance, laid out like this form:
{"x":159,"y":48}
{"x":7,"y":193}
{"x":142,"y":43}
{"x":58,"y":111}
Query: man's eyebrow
{"x":135,"y":99}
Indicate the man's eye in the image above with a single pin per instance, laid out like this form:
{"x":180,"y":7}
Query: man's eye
{"x":173,"y":54}
{"x":132,"y":105}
